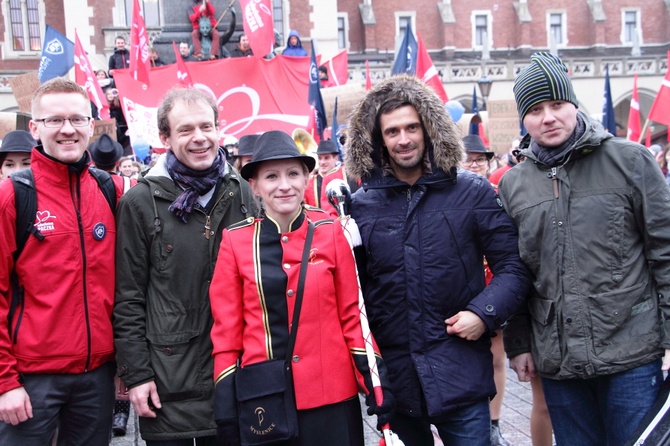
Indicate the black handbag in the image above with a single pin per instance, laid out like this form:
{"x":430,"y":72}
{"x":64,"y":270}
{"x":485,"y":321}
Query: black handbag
{"x":265,"y":398}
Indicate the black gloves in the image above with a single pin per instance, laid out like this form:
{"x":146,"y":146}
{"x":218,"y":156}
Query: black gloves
{"x":384,"y":411}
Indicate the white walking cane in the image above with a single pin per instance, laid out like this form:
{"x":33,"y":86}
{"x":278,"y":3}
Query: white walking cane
{"x":336,"y":191}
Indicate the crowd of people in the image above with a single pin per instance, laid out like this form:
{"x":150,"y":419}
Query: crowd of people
{"x":159,"y":283}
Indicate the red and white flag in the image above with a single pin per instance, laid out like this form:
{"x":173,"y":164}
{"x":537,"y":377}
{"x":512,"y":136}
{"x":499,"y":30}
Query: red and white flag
{"x":426,"y":71}
{"x":258,"y":25}
{"x":338,"y":68}
{"x":368,"y":79}
{"x":634,"y":127}
{"x":140,"y":64}
{"x":183,"y":76}
{"x":660,"y":110}
{"x":85,"y":76}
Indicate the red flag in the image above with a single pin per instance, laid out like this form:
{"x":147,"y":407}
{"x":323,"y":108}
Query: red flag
{"x":338,"y":68}
{"x":647,"y":139}
{"x":660,"y":110}
{"x":258,"y":25}
{"x":426,"y":71}
{"x":183,"y":76}
{"x":482,"y":135}
{"x":85,"y":76}
{"x":634,"y":127}
{"x":368,"y":79}
{"x":140,"y":64}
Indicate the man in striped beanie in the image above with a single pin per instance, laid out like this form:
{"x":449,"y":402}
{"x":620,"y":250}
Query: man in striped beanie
{"x":592,"y":216}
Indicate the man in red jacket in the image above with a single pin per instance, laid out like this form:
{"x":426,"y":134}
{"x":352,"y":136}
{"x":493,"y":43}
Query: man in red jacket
{"x":329,"y":169}
{"x":57,"y":349}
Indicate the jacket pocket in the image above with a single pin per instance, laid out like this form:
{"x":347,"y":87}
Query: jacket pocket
{"x":177,"y":363}
{"x":624,"y":323}
{"x":546,"y":347}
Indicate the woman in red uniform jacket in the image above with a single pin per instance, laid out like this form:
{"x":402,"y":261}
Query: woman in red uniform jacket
{"x":253,"y":292}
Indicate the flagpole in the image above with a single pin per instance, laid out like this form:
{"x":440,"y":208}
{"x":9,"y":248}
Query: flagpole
{"x":230,"y":5}
{"x":644,"y":131}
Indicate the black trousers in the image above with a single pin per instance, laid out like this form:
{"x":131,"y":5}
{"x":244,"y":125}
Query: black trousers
{"x":80,"y":405}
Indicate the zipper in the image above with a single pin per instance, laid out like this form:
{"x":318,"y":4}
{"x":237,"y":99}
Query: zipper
{"x":554,"y":181}
{"x":208,"y":225}
{"x":76,"y":198}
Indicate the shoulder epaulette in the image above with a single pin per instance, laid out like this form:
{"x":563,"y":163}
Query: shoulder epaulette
{"x":242,"y":224}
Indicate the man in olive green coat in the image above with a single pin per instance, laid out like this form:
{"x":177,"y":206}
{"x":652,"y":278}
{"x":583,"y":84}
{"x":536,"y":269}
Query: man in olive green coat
{"x":169,"y":231}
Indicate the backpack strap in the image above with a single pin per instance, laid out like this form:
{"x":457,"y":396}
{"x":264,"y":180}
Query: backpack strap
{"x":25,"y":202}
{"x":107,"y":186}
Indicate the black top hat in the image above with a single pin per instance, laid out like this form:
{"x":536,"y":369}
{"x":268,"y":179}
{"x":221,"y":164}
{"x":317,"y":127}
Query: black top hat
{"x":105,"y":152}
{"x":275,"y":145}
{"x":474,"y":144}
{"x":17,"y":141}
{"x":327,"y":146}
{"x":246,"y":145}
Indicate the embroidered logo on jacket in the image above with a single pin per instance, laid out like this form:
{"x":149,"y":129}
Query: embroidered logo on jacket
{"x":42,"y":221}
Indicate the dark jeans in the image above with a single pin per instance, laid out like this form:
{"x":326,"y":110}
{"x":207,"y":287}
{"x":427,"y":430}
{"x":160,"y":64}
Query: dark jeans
{"x":602,"y":411}
{"x":467,"y":426}
{"x":80,"y":405}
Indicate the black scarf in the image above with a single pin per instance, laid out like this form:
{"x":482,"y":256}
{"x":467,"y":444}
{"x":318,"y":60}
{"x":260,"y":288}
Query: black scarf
{"x":194,"y":182}
{"x":555,"y":156}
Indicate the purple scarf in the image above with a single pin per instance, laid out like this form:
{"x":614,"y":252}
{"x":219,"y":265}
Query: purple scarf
{"x":194,"y":182}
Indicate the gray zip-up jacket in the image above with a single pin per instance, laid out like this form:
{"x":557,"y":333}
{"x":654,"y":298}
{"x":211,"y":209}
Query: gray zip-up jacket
{"x":595,"y":232}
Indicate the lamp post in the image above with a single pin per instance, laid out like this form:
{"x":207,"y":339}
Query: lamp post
{"x":485,"y":85}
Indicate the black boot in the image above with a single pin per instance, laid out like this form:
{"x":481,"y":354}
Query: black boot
{"x":119,"y":424}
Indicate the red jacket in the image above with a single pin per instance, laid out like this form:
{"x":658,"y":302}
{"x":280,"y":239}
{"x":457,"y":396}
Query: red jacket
{"x":251,"y":316}
{"x":65,"y":325}
{"x":315,"y":194}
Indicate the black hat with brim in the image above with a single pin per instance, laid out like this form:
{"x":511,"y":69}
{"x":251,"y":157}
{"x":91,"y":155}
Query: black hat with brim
{"x":327,"y":146}
{"x":474,"y":144}
{"x":17,"y":141}
{"x":105,"y":152}
{"x":246,"y":145}
{"x":275,"y":145}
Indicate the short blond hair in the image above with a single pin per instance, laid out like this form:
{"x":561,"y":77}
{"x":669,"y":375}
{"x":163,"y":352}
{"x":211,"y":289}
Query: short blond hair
{"x":53,"y":86}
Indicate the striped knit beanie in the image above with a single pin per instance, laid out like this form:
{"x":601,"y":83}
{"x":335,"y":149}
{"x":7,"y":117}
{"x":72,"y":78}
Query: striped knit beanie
{"x":545,"y":79}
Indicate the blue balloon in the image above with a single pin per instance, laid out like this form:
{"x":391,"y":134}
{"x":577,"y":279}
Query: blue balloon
{"x":455,"y":110}
{"x":141,"y":149}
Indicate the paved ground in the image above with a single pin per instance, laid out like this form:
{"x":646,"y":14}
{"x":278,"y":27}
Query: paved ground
{"x":514,"y":423}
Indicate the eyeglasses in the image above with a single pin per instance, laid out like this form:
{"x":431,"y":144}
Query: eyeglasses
{"x":481,"y":161}
{"x":56,"y":123}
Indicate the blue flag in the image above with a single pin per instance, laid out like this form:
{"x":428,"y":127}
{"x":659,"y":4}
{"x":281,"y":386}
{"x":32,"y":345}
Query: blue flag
{"x":314,"y":98}
{"x":475,"y":120}
{"x":336,"y":134}
{"x":57,"y":55}
{"x":608,"y":108}
{"x":405,"y":60}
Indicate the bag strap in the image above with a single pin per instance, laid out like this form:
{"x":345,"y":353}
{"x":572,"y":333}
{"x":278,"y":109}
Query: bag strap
{"x":301,"y":287}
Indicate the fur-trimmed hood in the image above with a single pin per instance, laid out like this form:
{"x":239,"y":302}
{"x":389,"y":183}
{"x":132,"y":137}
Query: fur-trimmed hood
{"x":364,"y":154}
